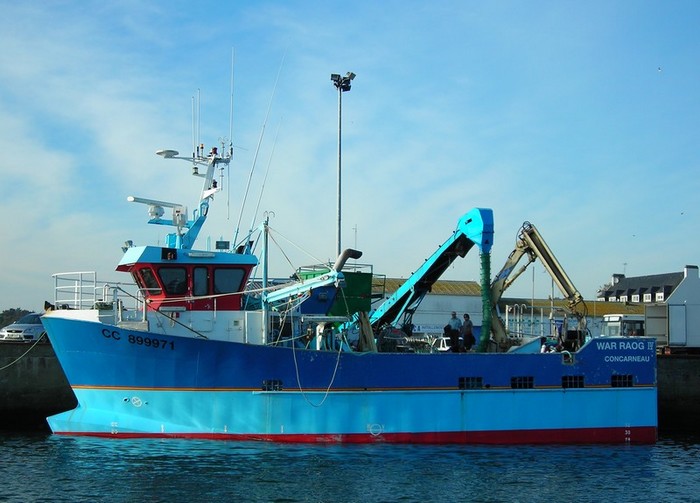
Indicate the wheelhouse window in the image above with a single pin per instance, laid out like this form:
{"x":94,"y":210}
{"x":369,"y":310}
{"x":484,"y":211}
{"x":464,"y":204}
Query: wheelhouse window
{"x":174,"y":280}
{"x":228,"y":280}
{"x":200,"y":281}
{"x":150,"y":283}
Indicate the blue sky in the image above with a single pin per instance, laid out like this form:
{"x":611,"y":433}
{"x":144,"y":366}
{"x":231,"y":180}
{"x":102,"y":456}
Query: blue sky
{"x":580,"y":117}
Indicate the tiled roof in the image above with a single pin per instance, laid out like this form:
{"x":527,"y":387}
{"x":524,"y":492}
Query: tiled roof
{"x":472,"y":288}
{"x":441,"y":287}
{"x":593,"y":307}
{"x":644,"y":284}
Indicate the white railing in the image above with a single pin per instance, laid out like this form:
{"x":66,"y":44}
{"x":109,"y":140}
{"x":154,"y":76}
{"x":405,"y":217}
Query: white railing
{"x":82,"y":290}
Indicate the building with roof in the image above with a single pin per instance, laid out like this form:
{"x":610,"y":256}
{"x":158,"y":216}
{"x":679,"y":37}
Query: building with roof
{"x":671,"y":304}
{"x":645,"y":289}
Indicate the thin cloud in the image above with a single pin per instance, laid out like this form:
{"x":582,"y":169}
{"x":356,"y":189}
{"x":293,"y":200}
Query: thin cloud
{"x":542,"y":113}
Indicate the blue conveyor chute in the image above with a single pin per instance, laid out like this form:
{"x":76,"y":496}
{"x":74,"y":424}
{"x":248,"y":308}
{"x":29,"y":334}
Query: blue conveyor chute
{"x":474,"y":228}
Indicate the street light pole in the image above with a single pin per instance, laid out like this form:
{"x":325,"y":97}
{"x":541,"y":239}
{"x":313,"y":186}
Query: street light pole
{"x":342,"y":84}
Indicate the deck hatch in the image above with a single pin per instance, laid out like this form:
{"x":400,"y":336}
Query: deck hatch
{"x":622,"y":380}
{"x":272,"y":385}
{"x":572,"y":381}
{"x":471,"y":382}
{"x":522,"y":382}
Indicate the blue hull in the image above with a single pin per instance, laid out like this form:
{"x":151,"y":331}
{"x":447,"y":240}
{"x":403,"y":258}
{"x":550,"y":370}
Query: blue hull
{"x":185,"y":387}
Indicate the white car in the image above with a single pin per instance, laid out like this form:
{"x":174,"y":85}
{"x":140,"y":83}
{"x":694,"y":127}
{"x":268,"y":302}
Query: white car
{"x":27,"y":329}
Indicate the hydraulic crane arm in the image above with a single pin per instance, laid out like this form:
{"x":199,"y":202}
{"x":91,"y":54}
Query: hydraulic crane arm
{"x":530,"y":242}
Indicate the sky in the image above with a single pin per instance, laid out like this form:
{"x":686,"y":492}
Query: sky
{"x":582,"y":118}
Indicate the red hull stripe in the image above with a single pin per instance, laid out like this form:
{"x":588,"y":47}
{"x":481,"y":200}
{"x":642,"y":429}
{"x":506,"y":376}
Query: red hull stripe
{"x":634,"y":435}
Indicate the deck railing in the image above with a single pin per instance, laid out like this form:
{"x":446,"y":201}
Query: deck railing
{"x":82,"y":290}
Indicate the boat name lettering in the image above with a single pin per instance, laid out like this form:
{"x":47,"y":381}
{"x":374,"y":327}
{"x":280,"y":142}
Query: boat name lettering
{"x":625,"y":345}
{"x":626,"y":358}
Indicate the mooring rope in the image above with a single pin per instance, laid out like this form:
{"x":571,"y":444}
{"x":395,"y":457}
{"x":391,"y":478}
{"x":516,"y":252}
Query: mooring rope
{"x":25,"y":353}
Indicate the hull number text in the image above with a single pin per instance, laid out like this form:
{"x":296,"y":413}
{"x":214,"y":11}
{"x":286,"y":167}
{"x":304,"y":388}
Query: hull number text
{"x":150,"y":342}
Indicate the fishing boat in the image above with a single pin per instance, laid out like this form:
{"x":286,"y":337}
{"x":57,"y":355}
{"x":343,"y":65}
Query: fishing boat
{"x":199,"y":349}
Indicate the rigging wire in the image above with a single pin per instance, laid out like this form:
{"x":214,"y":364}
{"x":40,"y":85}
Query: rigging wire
{"x":282,"y":251}
{"x":159,"y":312}
{"x":257,"y":151}
{"x":304,"y":394}
{"x":272,"y":233}
{"x":262,"y":188}
{"x":318,"y":260}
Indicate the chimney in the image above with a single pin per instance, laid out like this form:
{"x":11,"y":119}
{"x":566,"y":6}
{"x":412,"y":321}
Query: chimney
{"x":690,"y":269}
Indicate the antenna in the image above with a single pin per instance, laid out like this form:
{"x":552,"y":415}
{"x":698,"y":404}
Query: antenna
{"x":199,"y":118}
{"x":194,"y":131}
{"x":230,"y":137}
{"x":230,"y":119}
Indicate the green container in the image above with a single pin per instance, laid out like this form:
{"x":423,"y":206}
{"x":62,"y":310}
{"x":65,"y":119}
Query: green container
{"x":354,"y":297}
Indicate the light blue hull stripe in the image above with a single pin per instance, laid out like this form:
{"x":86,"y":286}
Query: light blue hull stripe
{"x":376,"y":412}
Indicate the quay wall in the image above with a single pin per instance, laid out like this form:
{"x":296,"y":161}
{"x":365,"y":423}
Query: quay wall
{"x":32,"y":385}
{"x":678,"y":378}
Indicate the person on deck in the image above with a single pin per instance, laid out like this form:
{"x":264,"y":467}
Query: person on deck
{"x":455,"y":326}
{"x":453,"y":336}
{"x":455,"y":322}
{"x":467,"y":333}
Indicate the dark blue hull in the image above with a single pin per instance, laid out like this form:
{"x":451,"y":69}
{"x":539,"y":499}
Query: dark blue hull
{"x":139,"y":384}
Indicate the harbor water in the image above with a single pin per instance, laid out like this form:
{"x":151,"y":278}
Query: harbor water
{"x":40,"y":467}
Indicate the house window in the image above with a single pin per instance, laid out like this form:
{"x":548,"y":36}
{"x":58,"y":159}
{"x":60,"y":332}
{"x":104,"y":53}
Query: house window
{"x":659,"y":296}
{"x":635,"y":298}
{"x":647,"y":297}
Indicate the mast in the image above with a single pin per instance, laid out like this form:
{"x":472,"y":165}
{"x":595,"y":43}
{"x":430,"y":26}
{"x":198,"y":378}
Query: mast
{"x":265,"y":305}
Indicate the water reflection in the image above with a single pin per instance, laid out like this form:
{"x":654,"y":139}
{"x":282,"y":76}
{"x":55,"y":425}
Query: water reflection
{"x":52,"y":468}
